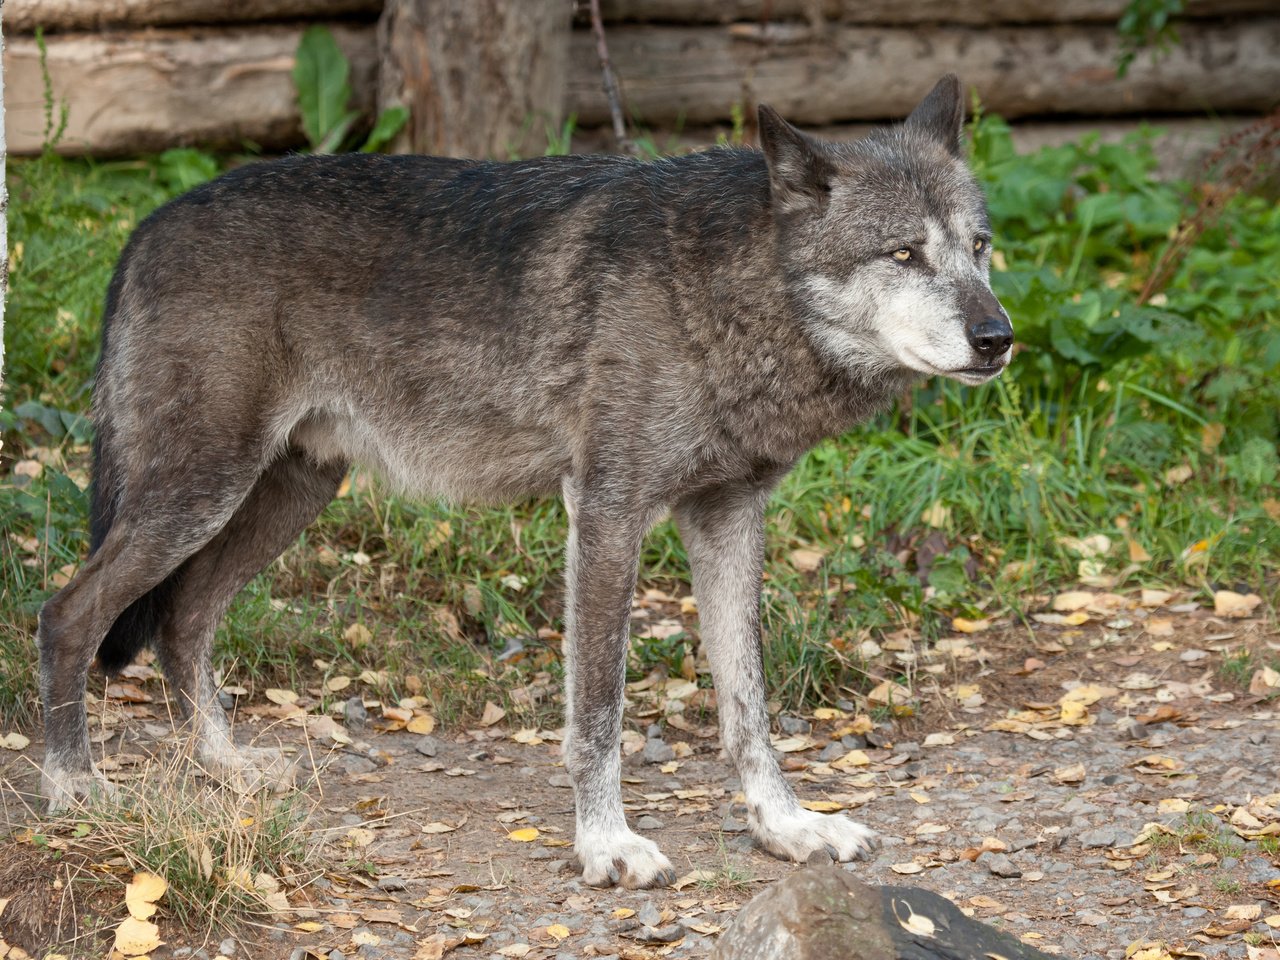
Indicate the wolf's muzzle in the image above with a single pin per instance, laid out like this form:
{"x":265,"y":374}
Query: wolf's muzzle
{"x":990,"y":337}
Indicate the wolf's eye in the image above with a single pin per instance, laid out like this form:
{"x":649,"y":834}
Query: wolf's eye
{"x":902,"y":254}
{"x":979,"y":245}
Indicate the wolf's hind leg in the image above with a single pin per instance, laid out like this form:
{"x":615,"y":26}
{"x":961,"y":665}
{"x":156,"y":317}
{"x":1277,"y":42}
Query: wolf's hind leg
{"x":287,"y":497}
{"x":602,"y":557}
{"x":723,"y":532}
{"x":156,"y":527}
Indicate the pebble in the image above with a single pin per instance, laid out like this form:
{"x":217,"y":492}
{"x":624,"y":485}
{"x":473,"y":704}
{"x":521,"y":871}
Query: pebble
{"x":427,"y":746}
{"x":648,"y":822}
{"x":1107,"y":836}
{"x":794,"y":726}
{"x":354,"y":713}
{"x":390,"y":884}
{"x":1000,"y":865}
{"x":562,"y":780}
{"x":658,"y":751}
{"x":227,"y":947}
{"x":649,"y":915}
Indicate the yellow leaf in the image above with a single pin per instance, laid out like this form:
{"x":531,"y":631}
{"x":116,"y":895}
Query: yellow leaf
{"x":143,"y":891}
{"x":1072,"y":600}
{"x":1137,"y":553}
{"x":623,"y":913}
{"x":334,"y":684}
{"x":696,"y":876}
{"x":1074,"y":713}
{"x":492,"y":714}
{"x":970,"y":626}
{"x":423,"y":723}
{"x":829,"y":713}
{"x":854,"y":758}
{"x":528,"y":736}
{"x":283,"y":697}
{"x":1211,"y":435}
{"x":1228,"y":603}
{"x":906,"y":868}
{"x":915,"y":923}
{"x":524,"y":835}
{"x":937,"y":515}
{"x":309,"y":926}
{"x":1173,"y":805}
{"x":822,"y":806}
{"x":357,"y":634}
{"x":135,"y":938}
{"x":14,"y":741}
{"x":559,"y":931}
{"x":805,"y":560}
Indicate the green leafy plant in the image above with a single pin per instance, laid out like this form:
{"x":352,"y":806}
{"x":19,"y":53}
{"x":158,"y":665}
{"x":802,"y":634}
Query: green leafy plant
{"x":321,"y":75}
{"x":1144,"y":24}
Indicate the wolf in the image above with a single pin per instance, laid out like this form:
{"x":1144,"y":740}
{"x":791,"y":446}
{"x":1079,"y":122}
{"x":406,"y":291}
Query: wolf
{"x":638,"y":337}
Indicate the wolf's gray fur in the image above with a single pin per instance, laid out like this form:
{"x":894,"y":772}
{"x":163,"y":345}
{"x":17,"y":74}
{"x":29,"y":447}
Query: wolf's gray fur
{"x":640,"y":337}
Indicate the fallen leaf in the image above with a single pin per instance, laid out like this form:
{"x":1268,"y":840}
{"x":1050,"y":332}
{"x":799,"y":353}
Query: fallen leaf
{"x":805,"y":560}
{"x":1228,"y":603}
{"x":14,"y":741}
{"x":907,"y":868}
{"x":1244,"y":911}
{"x":422,"y":723}
{"x":282,"y":697}
{"x":524,"y":835}
{"x":822,"y":806}
{"x":136,"y":938}
{"x":697,"y":876}
{"x":142,"y":892}
{"x":515,"y":950}
{"x":492,"y":714}
{"x":1072,"y":600}
{"x":559,"y":931}
{"x":970,"y":626}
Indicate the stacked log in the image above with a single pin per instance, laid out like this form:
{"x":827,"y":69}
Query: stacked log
{"x":145,"y":74}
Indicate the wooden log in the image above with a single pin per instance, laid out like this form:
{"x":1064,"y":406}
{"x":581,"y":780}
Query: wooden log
{"x":846,"y":72}
{"x":23,"y":16}
{"x":481,"y":78}
{"x":137,"y":91}
{"x":891,"y":12}
{"x":131,"y":92}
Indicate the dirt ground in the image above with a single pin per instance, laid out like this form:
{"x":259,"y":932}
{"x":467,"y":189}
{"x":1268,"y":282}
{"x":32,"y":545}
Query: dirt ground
{"x":1088,"y":785}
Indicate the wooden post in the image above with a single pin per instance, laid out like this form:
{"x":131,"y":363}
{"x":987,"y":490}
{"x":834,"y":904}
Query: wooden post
{"x":481,"y":78}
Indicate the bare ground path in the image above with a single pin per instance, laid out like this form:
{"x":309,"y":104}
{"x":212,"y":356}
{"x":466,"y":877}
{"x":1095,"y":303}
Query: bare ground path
{"x":1024,"y":802}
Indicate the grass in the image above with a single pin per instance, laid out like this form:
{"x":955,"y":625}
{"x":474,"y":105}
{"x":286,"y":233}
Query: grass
{"x":1153,"y":425}
{"x":226,"y":855}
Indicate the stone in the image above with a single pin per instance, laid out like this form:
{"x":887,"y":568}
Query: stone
{"x":649,"y":915}
{"x":658,"y":751}
{"x":820,"y":912}
{"x":227,"y":947}
{"x":354,"y":713}
{"x":390,"y":884}
{"x":794,"y":726}
{"x":648,"y":822}
{"x":427,"y":746}
{"x":1107,"y":836}
{"x":999,"y":864}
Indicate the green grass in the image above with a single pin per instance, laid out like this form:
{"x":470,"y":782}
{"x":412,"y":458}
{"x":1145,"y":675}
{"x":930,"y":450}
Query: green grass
{"x":1152,"y":423}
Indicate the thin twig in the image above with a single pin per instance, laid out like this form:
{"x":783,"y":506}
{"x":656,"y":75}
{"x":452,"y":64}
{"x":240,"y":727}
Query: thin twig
{"x":610,"y":81}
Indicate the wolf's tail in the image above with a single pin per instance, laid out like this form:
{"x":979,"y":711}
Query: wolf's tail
{"x":138,"y":625}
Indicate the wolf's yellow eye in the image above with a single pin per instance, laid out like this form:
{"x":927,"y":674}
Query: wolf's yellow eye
{"x":979,"y":245}
{"x":902,"y":255}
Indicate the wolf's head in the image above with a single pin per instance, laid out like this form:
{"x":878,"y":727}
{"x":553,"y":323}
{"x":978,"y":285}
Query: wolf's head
{"x":887,"y":246}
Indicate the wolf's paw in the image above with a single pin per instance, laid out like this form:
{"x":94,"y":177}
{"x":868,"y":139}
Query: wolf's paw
{"x":623,"y":859}
{"x":66,"y":788}
{"x":252,"y":769}
{"x":797,"y":835}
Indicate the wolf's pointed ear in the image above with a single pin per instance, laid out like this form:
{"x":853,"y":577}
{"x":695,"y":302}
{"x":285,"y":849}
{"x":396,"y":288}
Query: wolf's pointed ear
{"x":940,"y":115}
{"x":799,"y":171}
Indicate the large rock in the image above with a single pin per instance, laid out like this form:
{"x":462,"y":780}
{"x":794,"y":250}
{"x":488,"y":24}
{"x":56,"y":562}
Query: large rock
{"x":825,"y":913}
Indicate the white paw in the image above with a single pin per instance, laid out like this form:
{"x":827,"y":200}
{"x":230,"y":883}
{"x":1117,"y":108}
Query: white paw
{"x":64,"y":788}
{"x":623,"y":858}
{"x":252,"y":769}
{"x":796,"y":835}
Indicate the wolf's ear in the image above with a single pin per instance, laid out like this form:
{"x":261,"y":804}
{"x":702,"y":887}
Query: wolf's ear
{"x":940,"y":115}
{"x":799,"y":171}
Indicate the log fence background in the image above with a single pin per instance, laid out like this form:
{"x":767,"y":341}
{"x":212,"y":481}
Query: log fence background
{"x":148,"y":74}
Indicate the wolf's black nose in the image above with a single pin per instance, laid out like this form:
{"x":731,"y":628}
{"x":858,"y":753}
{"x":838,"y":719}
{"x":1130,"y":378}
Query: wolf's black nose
{"x":991,"y":336}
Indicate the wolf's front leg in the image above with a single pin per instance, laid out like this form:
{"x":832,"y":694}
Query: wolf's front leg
{"x":723,"y":532}
{"x":603,"y":552}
